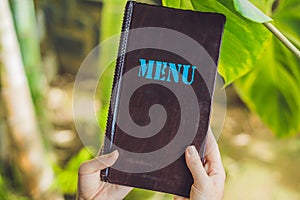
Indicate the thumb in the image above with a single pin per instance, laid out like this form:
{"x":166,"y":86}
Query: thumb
{"x":98,"y":163}
{"x":195,"y":165}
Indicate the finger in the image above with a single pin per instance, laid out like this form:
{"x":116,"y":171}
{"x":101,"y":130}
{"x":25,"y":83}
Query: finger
{"x":180,"y":198}
{"x":214,"y":158}
{"x":213,"y":164}
{"x":212,"y":152}
{"x":211,"y":142}
{"x":98,"y":163}
{"x":214,"y":155}
{"x":195,"y":165}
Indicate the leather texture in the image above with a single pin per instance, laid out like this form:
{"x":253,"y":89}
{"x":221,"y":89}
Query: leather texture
{"x":206,"y":29}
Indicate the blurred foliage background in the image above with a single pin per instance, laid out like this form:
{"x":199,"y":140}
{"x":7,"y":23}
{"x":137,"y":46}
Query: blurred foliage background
{"x":43,"y":43}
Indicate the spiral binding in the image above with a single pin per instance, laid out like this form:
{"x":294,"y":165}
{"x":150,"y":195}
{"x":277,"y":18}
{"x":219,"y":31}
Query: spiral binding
{"x":111,"y":119}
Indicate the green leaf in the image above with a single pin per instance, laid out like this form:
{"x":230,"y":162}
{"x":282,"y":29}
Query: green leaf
{"x":248,"y":10}
{"x":183,"y":4}
{"x":286,"y":18}
{"x":264,"y":5}
{"x":272,"y":88}
{"x":66,"y":178}
{"x":243,"y":42}
{"x":137,"y":194}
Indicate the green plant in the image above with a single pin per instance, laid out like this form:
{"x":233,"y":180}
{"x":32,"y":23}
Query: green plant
{"x":271,"y":89}
{"x":8,"y":193}
{"x":66,"y":178}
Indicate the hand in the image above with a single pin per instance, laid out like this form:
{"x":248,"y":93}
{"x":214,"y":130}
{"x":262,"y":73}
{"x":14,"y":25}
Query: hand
{"x":90,"y":185}
{"x":208,"y":180}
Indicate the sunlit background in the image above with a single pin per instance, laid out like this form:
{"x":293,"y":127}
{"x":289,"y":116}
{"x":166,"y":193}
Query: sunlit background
{"x":43,"y":44}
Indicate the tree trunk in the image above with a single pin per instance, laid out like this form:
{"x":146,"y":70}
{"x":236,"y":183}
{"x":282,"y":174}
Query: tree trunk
{"x":31,"y":155}
{"x":23,"y":13}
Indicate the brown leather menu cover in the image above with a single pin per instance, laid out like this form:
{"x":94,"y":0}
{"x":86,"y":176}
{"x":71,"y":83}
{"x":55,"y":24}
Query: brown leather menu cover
{"x":161,"y":96}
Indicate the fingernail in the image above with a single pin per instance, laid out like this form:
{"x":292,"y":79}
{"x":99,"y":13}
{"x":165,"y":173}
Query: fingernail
{"x":191,"y":150}
{"x":115,"y":152}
